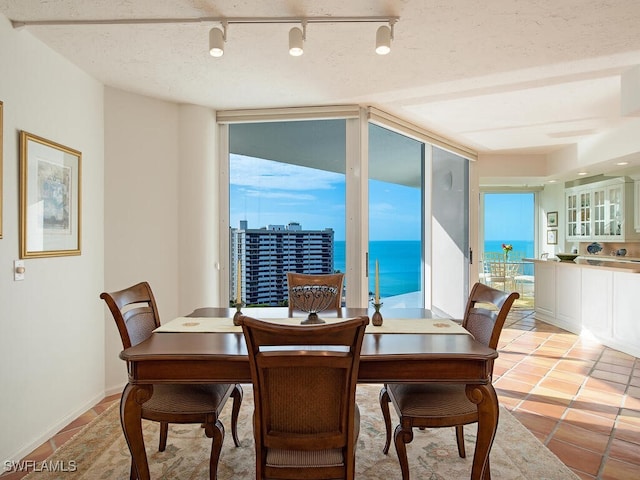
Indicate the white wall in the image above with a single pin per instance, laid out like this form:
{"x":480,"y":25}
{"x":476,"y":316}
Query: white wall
{"x":52,"y":323}
{"x":160,"y":209}
{"x":552,"y":200}
{"x":141,"y":208}
{"x":199,"y":210}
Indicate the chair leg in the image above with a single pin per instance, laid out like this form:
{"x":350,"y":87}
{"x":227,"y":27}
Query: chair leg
{"x":401,"y":437}
{"x":214,"y":430}
{"x":164,"y":430}
{"x":384,"y":406}
{"x":487,"y":472}
{"x":460,"y":440}
{"x":133,"y":475}
{"x":235,"y":412}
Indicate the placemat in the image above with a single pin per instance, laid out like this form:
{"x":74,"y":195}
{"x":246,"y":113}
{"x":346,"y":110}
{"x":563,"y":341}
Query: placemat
{"x":389,"y":325}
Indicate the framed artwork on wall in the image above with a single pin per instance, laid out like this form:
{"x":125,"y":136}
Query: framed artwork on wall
{"x":552,"y":219}
{"x":50,"y":198}
{"x":552,"y":237}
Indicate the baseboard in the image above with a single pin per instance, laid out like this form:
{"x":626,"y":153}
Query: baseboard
{"x":54,"y":429}
{"x":113,"y":390}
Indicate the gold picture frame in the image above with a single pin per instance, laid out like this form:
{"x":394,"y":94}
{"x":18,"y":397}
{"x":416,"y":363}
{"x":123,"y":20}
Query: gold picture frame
{"x":50,"y":198}
{"x":552,"y":237}
{"x":552,"y":219}
{"x":1,"y":149}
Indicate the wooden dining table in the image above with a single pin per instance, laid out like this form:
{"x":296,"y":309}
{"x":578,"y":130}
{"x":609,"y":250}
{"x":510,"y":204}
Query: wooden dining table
{"x":202,"y":357}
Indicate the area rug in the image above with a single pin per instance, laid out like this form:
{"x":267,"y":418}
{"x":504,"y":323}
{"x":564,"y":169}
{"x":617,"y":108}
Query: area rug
{"x":99,"y":450}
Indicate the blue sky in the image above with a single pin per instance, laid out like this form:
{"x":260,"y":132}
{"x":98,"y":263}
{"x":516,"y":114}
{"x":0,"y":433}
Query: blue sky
{"x":266,"y":192}
{"x":509,"y":216}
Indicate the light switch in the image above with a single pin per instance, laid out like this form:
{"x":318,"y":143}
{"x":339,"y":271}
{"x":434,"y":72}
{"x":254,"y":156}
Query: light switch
{"x":18,"y":270}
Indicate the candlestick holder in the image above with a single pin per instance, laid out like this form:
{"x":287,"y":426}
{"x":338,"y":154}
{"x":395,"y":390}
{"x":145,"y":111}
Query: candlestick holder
{"x":376,"y":319}
{"x":236,"y":316}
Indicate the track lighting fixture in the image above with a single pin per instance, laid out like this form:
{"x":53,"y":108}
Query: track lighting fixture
{"x":384,"y":35}
{"x":296,"y":40}
{"x":217,"y":38}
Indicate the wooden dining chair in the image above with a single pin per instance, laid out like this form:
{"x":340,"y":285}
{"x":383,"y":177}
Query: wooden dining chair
{"x":306,"y":421}
{"x":433,"y":405}
{"x":335,"y":280}
{"x":136,"y":315}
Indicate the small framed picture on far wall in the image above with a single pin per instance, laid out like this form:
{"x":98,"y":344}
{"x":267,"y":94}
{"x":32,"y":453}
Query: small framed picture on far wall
{"x":552,"y":219}
{"x":552,"y":237}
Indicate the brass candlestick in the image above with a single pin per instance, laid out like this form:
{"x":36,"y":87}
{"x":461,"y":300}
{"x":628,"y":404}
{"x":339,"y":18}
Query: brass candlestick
{"x":376,"y":319}
{"x":236,"y":317}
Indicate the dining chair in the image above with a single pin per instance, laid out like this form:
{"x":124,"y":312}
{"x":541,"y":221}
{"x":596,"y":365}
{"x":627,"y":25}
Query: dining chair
{"x":434,"y":405}
{"x":335,"y":280}
{"x":306,"y":420}
{"x":500,"y":270}
{"x":136,"y":315}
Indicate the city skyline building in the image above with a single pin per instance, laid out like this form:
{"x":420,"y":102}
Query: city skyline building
{"x":265,"y":255}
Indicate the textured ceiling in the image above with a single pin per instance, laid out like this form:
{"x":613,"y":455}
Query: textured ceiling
{"x":526,"y":76}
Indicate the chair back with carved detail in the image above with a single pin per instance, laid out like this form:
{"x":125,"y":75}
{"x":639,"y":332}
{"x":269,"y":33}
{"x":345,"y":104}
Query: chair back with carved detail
{"x":306,"y":421}
{"x":434,"y":405}
{"x":335,"y":280}
{"x":136,"y":315}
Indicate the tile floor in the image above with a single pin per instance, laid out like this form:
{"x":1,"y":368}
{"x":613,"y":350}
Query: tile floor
{"x":580,"y":399}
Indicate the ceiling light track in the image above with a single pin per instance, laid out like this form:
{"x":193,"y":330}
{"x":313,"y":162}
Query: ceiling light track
{"x":218,"y":36}
{"x":228,"y":20}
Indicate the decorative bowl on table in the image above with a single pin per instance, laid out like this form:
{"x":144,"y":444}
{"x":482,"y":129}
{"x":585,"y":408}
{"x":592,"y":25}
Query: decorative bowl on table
{"x":567,"y":257}
{"x":313,"y":299}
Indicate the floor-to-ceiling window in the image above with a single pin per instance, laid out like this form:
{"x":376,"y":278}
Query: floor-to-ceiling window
{"x":348,"y":180}
{"x":508,"y":219}
{"x":286,"y":204}
{"x":450,"y":230}
{"x":395,"y":216}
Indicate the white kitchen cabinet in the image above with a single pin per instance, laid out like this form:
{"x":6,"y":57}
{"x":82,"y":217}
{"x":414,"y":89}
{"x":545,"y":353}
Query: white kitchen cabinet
{"x":626,"y":328}
{"x":636,"y":205}
{"x":545,"y":289}
{"x":569,"y":298}
{"x":602,"y":211}
{"x":597,"y":302}
{"x":578,"y":213}
{"x":557,"y":297}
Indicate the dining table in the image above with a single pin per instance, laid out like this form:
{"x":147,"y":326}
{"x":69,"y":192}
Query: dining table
{"x":411,"y":346}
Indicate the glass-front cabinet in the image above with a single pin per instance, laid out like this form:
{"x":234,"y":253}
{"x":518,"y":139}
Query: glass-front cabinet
{"x":597,"y":211}
{"x":578,"y":214}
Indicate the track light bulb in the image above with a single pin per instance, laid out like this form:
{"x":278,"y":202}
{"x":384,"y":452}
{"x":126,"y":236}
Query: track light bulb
{"x":216,"y":42}
{"x":383,"y":40}
{"x":296,"y":39}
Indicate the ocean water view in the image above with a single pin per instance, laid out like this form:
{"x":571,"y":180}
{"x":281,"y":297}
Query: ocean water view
{"x":525,"y":246}
{"x":399,"y":262}
{"x":523,"y":249}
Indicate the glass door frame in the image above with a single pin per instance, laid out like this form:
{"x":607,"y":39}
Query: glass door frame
{"x":356,"y":178}
{"x":537,"y":212}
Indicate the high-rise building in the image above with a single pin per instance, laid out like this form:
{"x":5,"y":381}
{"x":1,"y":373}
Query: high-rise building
{"x":266,"y":254}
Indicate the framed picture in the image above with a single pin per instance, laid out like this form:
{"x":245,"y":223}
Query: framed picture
{"x":50,"y":198}
{"x":552,"y":237}
{"x":1,"y":148}
{"x":552,"y":219}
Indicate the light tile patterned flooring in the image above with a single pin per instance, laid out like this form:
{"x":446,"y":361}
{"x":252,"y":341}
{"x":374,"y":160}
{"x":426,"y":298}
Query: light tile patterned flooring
{"x":580,"y":399}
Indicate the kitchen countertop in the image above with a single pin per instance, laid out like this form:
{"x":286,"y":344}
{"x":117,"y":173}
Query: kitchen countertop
{"x":626,"y":264}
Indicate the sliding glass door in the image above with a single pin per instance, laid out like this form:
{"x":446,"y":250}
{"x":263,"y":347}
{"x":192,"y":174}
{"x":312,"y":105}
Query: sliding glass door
{"x":450,"y":232}
{"x":336,"y":192}
{"x":396,"y":169}
{"x":286,"y":205}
